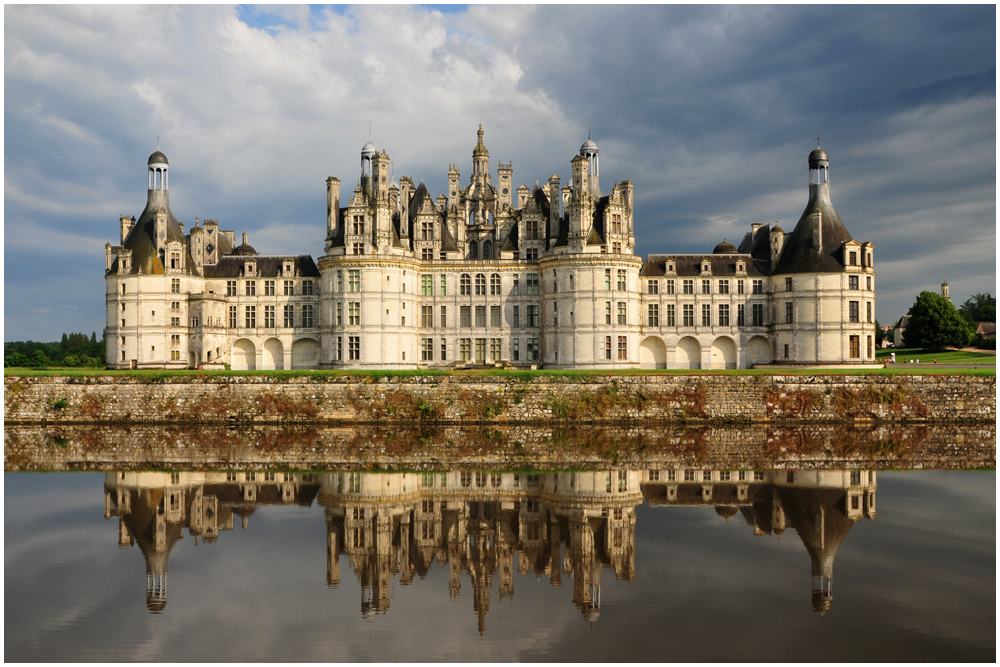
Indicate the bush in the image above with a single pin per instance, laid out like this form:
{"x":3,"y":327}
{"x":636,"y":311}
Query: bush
{"x":16,"y":360}
{"x":39,"y":360}
{"x":71,"y":360}
{"x":987,"y":343}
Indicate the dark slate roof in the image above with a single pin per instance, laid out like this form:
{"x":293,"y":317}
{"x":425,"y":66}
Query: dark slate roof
{"x":724,"y":248}
{"x":690,"y":265}
{"x":268,"y":266}
{"x":140,"y":239}
{"x":448,"y":243}
{"x":245,"y":250}
{"x":597,"y":236}
{"x":417,"y":200}
{"x":759,"y":247}
{"x":798,"y":254}
{"x":563,"y":238}
{"x":510,"y":245}
{"x":338,"y":236}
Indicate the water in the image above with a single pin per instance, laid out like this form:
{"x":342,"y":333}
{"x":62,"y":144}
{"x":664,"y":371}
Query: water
{"x":598,"y":565}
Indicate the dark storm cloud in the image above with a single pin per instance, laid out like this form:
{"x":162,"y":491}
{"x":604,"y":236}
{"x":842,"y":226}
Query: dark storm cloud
{"x":709,"y":110}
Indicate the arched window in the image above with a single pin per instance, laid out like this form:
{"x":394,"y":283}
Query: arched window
{"x":466,"y":284}
{"x":487,"y":249}
{"x":480,"y":284}
{"x":495,"y":284}
{"x":473,"y":250}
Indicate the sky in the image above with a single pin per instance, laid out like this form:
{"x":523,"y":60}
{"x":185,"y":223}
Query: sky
{"x":711,"y":111}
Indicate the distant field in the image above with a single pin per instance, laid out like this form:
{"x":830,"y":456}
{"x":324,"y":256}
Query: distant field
{"x":900,"y":369}
{"x":903,"y":355}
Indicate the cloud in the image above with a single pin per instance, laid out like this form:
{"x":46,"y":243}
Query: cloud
{"x":708,"y":110}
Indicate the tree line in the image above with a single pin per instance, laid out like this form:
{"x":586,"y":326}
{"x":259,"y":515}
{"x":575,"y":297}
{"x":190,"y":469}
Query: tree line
{"x":935,"y":323}
{"x":74,"y":350}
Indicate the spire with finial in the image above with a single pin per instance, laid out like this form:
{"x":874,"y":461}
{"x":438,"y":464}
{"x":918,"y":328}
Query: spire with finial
{"x":817,"y":141}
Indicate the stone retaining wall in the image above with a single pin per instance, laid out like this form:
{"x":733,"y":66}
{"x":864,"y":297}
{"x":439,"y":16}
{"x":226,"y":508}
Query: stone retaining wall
{"x":305,"y":448}
{"x":657,"y":399}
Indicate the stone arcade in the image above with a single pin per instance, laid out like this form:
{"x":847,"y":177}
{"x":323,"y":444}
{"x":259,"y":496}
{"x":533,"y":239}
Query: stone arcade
{"x":483,"y":275}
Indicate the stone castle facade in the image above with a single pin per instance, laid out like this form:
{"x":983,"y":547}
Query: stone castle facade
{"x":487,"y":274}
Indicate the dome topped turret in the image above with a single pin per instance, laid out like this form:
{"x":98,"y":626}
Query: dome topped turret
{"x":157,"y":158}
{"x":369,"y":150}
{"x":724,"y":248}
{"x":245,"y":249}
{"x":588,"y":147}
{"x":818,"y":155}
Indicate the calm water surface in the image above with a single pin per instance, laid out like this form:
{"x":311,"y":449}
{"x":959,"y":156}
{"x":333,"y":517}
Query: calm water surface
{"x":586,"y":566}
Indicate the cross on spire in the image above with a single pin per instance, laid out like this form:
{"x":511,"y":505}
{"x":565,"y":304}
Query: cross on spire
{"x":817,"y":141}
{"x":588,"y":131}
{"x":157,"y":142}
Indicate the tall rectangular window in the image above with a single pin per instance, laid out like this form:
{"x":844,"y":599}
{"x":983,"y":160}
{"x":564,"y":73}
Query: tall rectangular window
{"x":515,"y":288}
{"x":444,"y":350}
{"x":532,"y":280}
{"x":268,"y":317}
{"x":444,"y":285}
{"x":465,"y":284}
{"x":688,"y":286}
{"x":532,"y":349}
{"x":623,"y":348}
{"x":622,"y":285}
{"x":307,"y":315}
{"x":307,"y":287}
{"x":855,"y":347}
{"x":607,"y":312}
{"x":622,"y":313}
{"x":758,"y":286}
{"x":671,"y":315}
{"x":465,"y":349}
{"x":607,"y":279}
{"x":427,"y":316}
{"x":232,"y":317}
{"x":354,"y":280}
{"x":175,"y":285}
{"x":853,"y":311}
{"x":340,"y":280}
{"x":495,"y":284}
{"x":852,"y":282}
{"x":789,"y":309}
{"x":517,"y":317}
{"x":495,"y":316}
{"x":250,"y":319}
{"x":740,"y":314}
{"x":444,"y":316}
{"x":654,"y":314}
{"x":723,"y":314}
{"x":869,"y":281}
{"x":426,"y":349}
{"x":532,"y":316}
{"x":607,"y":347}
{"x":670,"y":286}
{"x":758,"y":314}
{"x":868,"y":304}
{"x":427,"y":285}
{"x":653,"y":286}
{"x":230,"y":288}
{"x":788,"y":284}
{"x":480,"y":284}
{"x":251,"y":288}
{"x":739,"y":287}
{"x":871,"y":350}
{"x":706,"y":286}
{"x":268,"y":288}
{"x":689,"y":314}
{"x":723,"y":287}
{"x":354,"y":348}
{"x":515,"y":349}
{"x":338,"y":353}
{"x":289,"y":317}
{"x":354,"y":313}
{"x":853,"y":260}
{"x":706,"y":314}
{"x":480,"y":316}
{"x":340,"y":314}
{"x":465,"y":315}
{"x":494,"y":349}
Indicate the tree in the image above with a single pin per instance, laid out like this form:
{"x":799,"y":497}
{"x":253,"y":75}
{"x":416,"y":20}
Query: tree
{"x":935,"y":324}
{"x":39,"y":360}
{"x":879,"y":334}
{"x":980,"y":308}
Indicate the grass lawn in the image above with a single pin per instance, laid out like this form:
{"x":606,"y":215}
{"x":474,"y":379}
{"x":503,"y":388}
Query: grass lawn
{"x":903,"y":355}
{"x":900,"y":369}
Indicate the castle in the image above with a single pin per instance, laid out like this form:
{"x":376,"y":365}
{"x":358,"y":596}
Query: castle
{"x":487,"y":274}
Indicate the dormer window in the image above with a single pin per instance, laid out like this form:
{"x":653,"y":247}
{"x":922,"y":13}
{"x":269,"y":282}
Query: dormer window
{"x":740,"y":267}
{"x":175,"y":260}
{"x":288,"y":268}
{"x":852,"y":258}
{"x":250,"y":268}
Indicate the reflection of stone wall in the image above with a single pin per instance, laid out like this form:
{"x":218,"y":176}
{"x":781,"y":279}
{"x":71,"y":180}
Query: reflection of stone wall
{"x":487,"y":399}
{"x":81,"y":447}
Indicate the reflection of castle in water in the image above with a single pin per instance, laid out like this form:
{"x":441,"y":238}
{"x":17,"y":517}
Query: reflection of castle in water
{"x":395,"y":525}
